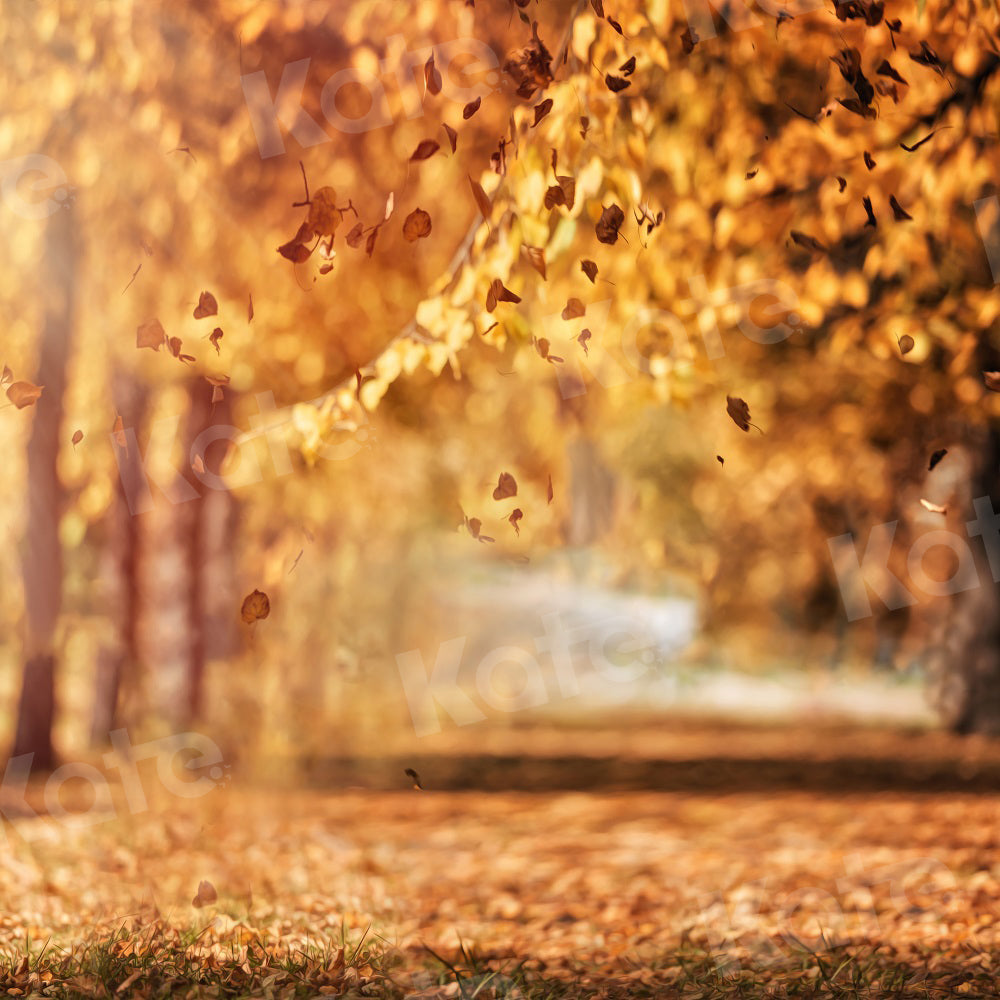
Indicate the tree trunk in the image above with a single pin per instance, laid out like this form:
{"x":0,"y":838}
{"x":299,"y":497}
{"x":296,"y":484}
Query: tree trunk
{"x":41,"y":552}
{"x":965,"y":662}
{"x":117,"y":660}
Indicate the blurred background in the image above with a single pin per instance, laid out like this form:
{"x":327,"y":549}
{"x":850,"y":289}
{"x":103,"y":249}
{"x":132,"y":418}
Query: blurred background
{"x":667,"y":564}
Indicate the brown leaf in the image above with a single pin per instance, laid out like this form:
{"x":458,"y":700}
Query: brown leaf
{"x":151,"y":335}
{"x":541,"y":110}
{"x":356,"y":235}
{"x":992,"y":381}
{"x":215,"y":337}
{"x":720,"y":460}
{"x":474,"y":526}
{"x":549,"y":492}
{"x":256,"y":605}
{"x":471,"y":108}
{"x":432,"y":76}
{"x":898,"y":212}
{"x":515,"y":516}
{"x":482,"y":200}
{"x":614,"y":24}
{"x":370,"y":242}
{"x":842,"y":182}
{"x":598,"y":6}
{"x":869,"y":162}
{"x":77,"y":438}
{"x":417,"y":225}
{"x":616,"y":84}
{"x":884,"y":68}
{"x":689,"y":39}
{"x":906,"y":343}
{"x":536,"y":257}
{"x":589,"y":268}
{"x":584,"y":126}
{"x":295,"y":250}
{"x":425,"y":150}
{"x":608,"y":225}
{"x":217,"y":379}
{"x":582,"y":340}
{"x":739,"y":411}
{"x":207,"y":306}
{"x":574,"y":309}
{"x":206,"y":895}
{"x":324,"y":216}
{"x":506,"y":487}
{"x":936,"y":457}
{"x":414,"y":777}
{"x":250,"y":309}
{"x":452,"y":135}
{"x":23,"y":394}
{"x":867,"y":202}
{"x":807,"y":241}
{"x":627,"y":67}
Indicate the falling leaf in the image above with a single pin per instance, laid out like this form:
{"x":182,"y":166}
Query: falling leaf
{"x":842,"y":182}
{"x":452,"y":136}
{"x":884,"y":68}
{"x":471,"y":108}
{"x":541,"y":110}
{"x":899,"y":213}
{"x":356,"y":235}
{"x":906,"y":343}
{"x":536,"y":257}
{"x":417,"y":225}
{"x":255,"y":606}
{"x":151,"y":335}
{"x":627,"y":67}
{"x":574,"y":309}
{"x":506,"y":487}
{"x":23,"y":394}
{"x":582,"y":340}
{"x":598,"y":6}
{"x":414,"y":777}
{"x":198,"y":464}
{"x":206,"y":895}
{"x":614,"y":24}
{"x":751,"y":174}
{"x":584,"y":126}
{"x":77,"y":438}
{"x":542,"y":346}
{"x":217,"y":379}
{"x":992,"y":381}
{"x":207,"y":306}
{"x":589,"y":268}
{"x":474,"y":526}
{"x":616,"y":84}
{"x":499,"y":293}
{"x":610,"y":222}
{"x":215,"y":337}
{"x":936,"y":457}
{"x":867,"y":202}
{"x":869,"y":162}
{"x":564,"y":194}
{"x":740,"y":412}
{"x":390,"y":204}
{"x":250,"y":309}
{"x":217,"y":395}
{"x":933,"y":507}
{"x":432,"y":76}
{"x":425,"y":150}
{"x":370,"y":242}
{"x":7,"y":376}
{"x":720,"y":460}
{"x":324,"y":216}
{"x":482,"y":200}
{"x":549,"y":492}
{"x":118,"y":432}
{"x":689,"y":39}
{"x":807,"y":241}
{"x":515,"y":516}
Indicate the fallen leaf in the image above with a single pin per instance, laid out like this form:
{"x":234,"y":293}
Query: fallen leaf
{"x":255,"y":606}
{"x":207,"y":306}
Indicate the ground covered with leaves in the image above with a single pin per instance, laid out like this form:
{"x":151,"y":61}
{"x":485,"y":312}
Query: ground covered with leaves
{"x":532,"y":891}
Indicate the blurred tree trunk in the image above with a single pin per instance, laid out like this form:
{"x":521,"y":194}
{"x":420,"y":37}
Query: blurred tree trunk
{"x":42,"y":553}
{"x":117,"y":659}
{"x":965,"y":662}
